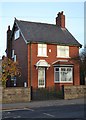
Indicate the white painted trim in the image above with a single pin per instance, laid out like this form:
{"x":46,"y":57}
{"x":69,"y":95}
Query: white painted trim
{"x":41,"y":56}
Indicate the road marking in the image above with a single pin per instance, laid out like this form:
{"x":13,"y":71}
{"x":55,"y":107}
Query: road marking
{"x":49,"y":115}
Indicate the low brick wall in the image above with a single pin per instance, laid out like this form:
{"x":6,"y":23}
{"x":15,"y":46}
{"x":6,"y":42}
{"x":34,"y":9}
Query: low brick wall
{"x":16,"y":94}
{"x":72,"y":92}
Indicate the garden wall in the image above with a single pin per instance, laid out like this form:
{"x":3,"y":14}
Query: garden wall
{"x":72,"y":92}
{"x":20,"y":94}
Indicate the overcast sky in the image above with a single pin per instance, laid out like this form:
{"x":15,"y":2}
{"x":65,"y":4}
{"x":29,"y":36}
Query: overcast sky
{"x":44,"y":12}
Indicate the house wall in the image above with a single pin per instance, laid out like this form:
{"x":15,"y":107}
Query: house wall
{"x":52,"y":57}
{"x":20,"y":49}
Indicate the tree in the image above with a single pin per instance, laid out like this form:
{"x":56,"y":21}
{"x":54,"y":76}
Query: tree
{"x":83,"y":64}
{"x":81,"y":59}
{"x":9,"y":68}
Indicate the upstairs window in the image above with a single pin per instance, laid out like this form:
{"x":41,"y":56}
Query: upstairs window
{"x":63,"y":51}
{"x":42,"y":50}
{"x":16,"y":34}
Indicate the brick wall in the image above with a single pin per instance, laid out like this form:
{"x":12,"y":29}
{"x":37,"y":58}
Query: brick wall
{"x":20,"y":50}
{"x":72,"y":92}
{"x":51,"y":57}
{"x":20,"y":94}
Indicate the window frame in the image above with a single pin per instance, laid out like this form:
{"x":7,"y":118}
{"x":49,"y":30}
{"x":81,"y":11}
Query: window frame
{"x":60,"y":81}
{"x":63,"y":48}
{"x":42,"y":46}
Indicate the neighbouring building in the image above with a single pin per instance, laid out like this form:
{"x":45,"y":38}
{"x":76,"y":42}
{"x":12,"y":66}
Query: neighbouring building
{"x":44,"y":52}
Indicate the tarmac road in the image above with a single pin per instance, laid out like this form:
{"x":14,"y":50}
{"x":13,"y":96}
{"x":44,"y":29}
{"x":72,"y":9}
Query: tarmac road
{"x":67,"y":111}
{"x":64,"y":109}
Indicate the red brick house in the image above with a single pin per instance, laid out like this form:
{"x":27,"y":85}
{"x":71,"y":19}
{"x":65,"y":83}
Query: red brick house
{"x":44,"y":52}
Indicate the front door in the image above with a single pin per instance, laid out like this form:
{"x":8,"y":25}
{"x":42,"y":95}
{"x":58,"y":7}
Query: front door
{"x":41,"y":77}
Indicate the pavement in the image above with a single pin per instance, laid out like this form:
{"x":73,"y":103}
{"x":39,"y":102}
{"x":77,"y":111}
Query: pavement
{"x":46,"y":103}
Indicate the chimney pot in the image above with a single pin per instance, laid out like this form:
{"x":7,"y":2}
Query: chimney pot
{"x":9,"y":27}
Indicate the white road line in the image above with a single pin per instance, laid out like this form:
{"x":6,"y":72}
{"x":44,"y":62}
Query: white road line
{"x":49,"y":115}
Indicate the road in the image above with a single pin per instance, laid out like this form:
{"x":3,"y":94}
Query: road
{"x":62,"y":111}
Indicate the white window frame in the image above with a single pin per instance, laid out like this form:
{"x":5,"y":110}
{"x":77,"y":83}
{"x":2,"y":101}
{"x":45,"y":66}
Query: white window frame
{"x":59,"y":73}
{"x":42,"y":50}
{"x":16,"y":35}
{"x":65,"y":50}
{"x":41,"y":68}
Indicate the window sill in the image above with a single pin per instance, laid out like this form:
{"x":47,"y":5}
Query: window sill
{"x":41,"y":56}
{"x":63,"y":81}
{"x":62,"y":57}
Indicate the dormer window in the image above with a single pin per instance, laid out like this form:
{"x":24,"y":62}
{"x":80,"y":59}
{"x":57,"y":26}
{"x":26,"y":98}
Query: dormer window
{"x":16,"y":34}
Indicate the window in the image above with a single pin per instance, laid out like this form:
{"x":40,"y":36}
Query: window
{"x":17,"y":34}
{"x":63,"y":74}
{"x":12,"y":53}
{"x":14,"y":58}
{"x":41,"y":77}
{"x":63,"y":51}
{"x":13,"y":80}
{"x":42,"y":50}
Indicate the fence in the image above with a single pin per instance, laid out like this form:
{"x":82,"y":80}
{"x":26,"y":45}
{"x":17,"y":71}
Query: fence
{"x":46,"y":94}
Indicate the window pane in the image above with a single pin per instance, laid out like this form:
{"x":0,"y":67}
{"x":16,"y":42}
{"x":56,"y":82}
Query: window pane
{"x":66,"y":74}
{"x":56,"y":69}
{"x":17,"y":34}
{"x":39,"y":51}
{"x":56,"y":76}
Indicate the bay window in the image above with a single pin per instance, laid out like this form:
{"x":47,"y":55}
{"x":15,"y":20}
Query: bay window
{"x":63,"y":74}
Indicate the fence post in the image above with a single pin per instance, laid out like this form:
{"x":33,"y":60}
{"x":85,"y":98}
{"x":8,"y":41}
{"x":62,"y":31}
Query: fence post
{"x":63,"y":91}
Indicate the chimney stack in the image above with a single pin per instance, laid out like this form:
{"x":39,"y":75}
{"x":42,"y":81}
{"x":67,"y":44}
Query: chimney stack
{"x":9,"y":42}
{"x":8,"y":27}
{"x":60,"y":20}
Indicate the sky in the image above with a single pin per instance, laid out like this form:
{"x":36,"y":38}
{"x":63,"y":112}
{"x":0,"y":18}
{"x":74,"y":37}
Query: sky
{"x":44,"y":12}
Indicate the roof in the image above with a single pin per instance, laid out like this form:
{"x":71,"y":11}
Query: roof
{"x":46,"y":33}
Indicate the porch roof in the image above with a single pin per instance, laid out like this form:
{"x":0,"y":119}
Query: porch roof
{"x":42,"y":63}
{"x":62,"y":63}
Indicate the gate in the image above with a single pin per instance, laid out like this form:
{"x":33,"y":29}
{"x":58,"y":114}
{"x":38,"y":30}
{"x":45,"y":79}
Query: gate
{"x":46,"y":94}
